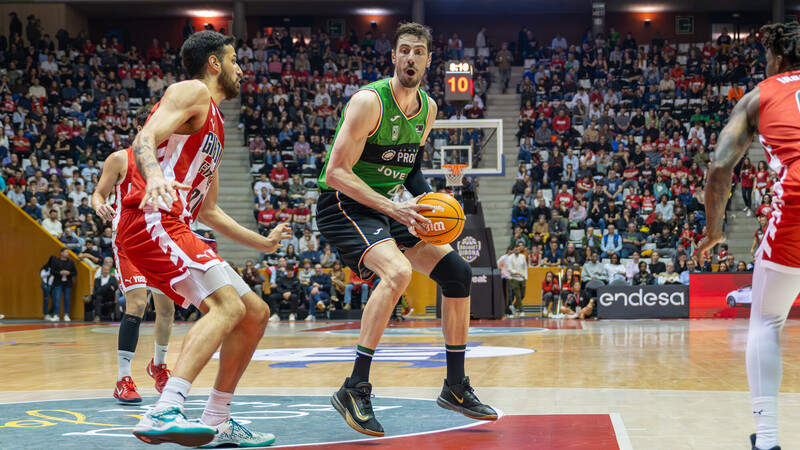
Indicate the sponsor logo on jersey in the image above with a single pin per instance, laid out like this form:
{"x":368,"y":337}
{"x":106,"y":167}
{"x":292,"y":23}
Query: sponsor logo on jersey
{"x":469,"y":248}
{"x":395,"y":132}
{"x":401,"y":156}
{"x":389,"y":172}
{"x":395,"y":118}
{"x":419,"y":355}
{"x":789,"y":79}
{"x":420,"y":128}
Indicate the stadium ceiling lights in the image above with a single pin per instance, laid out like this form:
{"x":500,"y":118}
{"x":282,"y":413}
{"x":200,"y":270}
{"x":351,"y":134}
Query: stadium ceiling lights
{"x":372,"y":11}
{"x":649,"y":8}
{"x":206,"y":13}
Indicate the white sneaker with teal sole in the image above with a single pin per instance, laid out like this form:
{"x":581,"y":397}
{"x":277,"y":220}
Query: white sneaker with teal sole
{"x":170,"y":425}
{"x":231,"y":434}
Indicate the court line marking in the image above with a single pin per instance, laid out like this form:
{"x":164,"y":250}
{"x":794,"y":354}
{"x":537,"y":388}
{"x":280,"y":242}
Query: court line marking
{"x":621,"y":432}
{"x":469,"y":425}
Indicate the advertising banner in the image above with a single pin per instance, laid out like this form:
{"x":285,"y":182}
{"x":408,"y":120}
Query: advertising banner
{"x":724,"y":295}
{"x":643,"y":302}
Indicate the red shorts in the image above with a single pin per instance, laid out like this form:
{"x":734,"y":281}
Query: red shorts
{"x":164,"y":249}
{"x":129,"y":276}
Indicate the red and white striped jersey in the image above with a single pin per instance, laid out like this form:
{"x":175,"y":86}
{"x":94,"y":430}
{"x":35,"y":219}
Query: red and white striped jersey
{"x":188,"y":159}
{"x":779,"y":132}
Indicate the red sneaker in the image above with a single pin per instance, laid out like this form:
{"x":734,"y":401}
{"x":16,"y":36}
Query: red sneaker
{"x":160,"y":373}
{"x":126,"y":392}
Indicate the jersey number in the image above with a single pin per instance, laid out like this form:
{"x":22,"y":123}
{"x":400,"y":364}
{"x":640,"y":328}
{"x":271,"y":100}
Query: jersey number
{"x":394,"y":190}
{"x":195,"y":199}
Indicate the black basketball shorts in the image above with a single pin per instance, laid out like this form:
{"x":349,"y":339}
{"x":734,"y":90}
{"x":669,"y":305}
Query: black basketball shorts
{"x":354,"y":228}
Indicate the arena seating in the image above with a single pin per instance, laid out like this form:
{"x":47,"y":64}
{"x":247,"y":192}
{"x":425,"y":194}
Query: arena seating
{"x":615,"y":133}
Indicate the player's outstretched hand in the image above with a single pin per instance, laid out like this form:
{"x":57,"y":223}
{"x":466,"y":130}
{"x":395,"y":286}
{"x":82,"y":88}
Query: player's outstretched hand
{"x":279,"y":233}
{"x":408,"y":213}
{"x":161,"y":192}
{"x":106,"y":212}
{"x":709,"y":242}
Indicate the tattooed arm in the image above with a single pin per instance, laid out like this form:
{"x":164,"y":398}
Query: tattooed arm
{"x":732,"y":144}
{"x":182,"y":110}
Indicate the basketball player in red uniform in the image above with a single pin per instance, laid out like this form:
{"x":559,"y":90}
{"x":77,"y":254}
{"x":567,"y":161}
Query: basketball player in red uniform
{"x":771,"y":110}
{"x":177,"y":154}
{"x":117,"y":175}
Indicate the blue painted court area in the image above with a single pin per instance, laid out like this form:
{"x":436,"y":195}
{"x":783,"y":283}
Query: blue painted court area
{"x":103,"y":423}
{"x":473,"y":331}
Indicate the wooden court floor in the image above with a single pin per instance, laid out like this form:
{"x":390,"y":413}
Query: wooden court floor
{"x":646,"y":384}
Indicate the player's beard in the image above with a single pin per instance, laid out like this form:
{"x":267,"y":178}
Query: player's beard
{"x":407,"y":81}
{"x":229,"y":84}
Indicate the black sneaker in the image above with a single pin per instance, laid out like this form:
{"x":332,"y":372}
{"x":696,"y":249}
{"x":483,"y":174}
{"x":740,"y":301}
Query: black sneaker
{"x":355,"y":405}
{"x":753,"y":443}
{"x":461,"y":399}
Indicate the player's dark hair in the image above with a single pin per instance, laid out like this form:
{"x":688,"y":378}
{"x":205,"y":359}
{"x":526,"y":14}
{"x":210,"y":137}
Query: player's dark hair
{"x":414,"y":29}
{"x":199,"y":46}
{"x":142,"y":113}
{"x":783,"y":39}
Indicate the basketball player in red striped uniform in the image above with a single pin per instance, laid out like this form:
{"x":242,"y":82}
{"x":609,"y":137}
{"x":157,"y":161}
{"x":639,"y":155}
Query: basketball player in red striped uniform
{"x":177,"y":154}
{"x":773,"y":111}
{"x":117,"y":174}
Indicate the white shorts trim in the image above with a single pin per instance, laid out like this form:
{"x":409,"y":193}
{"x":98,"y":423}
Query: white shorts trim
{"x":195,"y":285}
{"x":779,"y":267}
{"x":125,"y":288}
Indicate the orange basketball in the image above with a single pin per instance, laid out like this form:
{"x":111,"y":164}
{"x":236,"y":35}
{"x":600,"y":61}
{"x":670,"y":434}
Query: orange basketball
{"x":447,"y":219}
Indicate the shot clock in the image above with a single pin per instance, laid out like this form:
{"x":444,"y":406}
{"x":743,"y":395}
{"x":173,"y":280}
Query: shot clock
{"x":458,"y":81}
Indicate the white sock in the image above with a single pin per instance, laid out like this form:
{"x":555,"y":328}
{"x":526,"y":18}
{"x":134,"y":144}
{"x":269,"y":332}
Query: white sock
{"x":160,"y":356}
{"x":124,"y":366}
{"x":175,"y":392}
{"x":218,"y":408}
{"x":765,"y":412}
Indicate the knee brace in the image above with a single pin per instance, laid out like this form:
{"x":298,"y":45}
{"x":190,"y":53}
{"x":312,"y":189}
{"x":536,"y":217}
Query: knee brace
{"x":454,"y":275}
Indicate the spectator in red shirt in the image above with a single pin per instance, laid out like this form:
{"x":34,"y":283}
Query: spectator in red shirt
{"x":747,"y":174}
{"x":155,"y":52}
{"x":279,"y":176}
{"x":154,"y":70}
{"x":550,"y":291}
{"x":267,"y":219}
{"x":630,"y":177}
{"x":676,"y":72}
{"x":561,"y":124}
{"x":564,"y":196}
{"x":89,"y":48}
{"x":285,"y":213}
{"x":764,"y":209}
{"x":301,"y":217}
{"x":356,"y":284}
{"x":22,"y":145}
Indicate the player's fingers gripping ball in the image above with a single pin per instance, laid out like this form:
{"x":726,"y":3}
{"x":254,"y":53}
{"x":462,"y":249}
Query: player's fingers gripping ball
{"x":447,"y":218}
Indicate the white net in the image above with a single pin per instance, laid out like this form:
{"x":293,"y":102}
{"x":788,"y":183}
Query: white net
{"x":453,"y":176}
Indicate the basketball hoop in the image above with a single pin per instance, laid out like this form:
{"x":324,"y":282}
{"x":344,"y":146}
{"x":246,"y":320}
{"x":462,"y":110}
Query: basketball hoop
{"x":454,"y":177}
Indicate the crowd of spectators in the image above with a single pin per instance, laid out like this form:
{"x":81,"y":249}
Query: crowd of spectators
{"x":615,"y":136}
{"x":66,"y":105}
{"x":615,"y":140}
